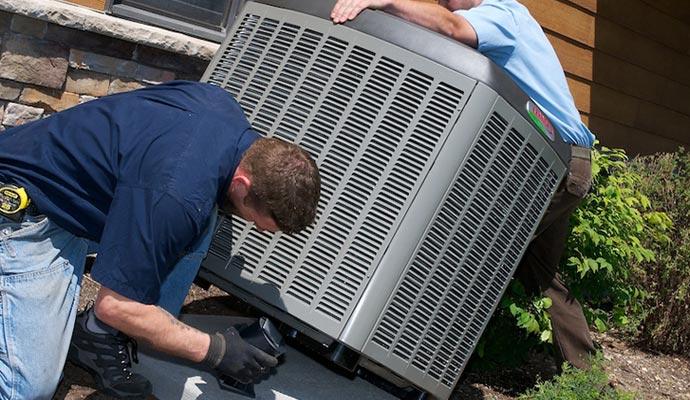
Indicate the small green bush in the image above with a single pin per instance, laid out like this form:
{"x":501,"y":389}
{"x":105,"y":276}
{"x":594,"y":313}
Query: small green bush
{"x":576,"y":384}
{"x":520,"y":324}
{"x":664,"y":325}
{"x":611,"y":233}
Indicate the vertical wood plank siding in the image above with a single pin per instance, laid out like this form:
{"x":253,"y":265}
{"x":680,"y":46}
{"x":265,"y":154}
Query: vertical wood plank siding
{"x":628,"y":67}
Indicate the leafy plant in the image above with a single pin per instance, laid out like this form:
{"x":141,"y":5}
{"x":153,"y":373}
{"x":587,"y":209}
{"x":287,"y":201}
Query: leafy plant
{"x":533,"y":318}
{"x":610,"y":236}
{"x":610,"y":232}
{"x":576,"y":384}
{"x":521,"y":323}
{"x":664,"y":327}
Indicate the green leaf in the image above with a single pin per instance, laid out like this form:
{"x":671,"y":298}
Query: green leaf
{"x":631,"y":201}
{"x":514,"y":310}
{"x":593,"y":265}
{"x":547,"y":302}
{"x":533,"y":326}
{"x":546,"y":337}
{"x":645,"y":201}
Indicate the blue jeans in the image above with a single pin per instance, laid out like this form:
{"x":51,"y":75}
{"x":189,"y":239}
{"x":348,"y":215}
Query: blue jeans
{"x":176,"y":286}
{"x":41,"y":266}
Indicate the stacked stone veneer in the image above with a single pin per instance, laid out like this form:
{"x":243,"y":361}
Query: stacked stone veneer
{"x":45,"y":67}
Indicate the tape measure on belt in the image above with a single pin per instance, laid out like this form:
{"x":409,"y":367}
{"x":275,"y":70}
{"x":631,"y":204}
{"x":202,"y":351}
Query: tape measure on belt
{"x":13,"y":201}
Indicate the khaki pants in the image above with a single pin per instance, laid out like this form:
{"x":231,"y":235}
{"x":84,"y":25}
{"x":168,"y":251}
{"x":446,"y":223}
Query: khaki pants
{"x":538,"y":269}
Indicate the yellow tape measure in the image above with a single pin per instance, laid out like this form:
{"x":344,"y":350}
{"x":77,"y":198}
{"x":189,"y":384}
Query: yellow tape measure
{"x":13,"y":199}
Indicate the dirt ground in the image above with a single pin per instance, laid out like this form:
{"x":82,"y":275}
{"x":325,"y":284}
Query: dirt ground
{"x":652,"y":376}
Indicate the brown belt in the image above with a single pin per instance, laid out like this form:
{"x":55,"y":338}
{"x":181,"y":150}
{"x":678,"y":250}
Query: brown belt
{"x":584,"y":153}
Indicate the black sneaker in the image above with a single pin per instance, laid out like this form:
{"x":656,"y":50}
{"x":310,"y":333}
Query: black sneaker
{"x":108,"y":358}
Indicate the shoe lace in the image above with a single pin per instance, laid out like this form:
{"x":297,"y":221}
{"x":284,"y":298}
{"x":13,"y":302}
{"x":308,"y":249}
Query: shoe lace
{"x":126,"y":353}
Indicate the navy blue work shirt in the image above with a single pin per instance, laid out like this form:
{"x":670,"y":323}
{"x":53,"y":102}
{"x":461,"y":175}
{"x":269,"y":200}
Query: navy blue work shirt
{"x":140,"y":172}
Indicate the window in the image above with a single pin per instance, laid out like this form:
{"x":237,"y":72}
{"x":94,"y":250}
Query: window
{"x":208,"y":19}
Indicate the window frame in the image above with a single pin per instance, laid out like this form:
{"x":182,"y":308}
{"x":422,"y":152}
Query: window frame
{"x":116,"y":8}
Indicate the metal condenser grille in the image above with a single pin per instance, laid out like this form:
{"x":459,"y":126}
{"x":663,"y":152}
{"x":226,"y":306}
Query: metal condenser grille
{"x":373,"y":124}
{"x":458,"y":274}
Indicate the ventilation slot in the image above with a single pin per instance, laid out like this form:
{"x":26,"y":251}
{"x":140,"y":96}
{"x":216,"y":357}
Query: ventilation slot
{"x":374,"y":126}
{"x":457,"y":275}
{"x":221,"y":245}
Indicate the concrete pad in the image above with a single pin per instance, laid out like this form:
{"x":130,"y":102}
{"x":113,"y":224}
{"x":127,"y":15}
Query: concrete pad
{"x":297,"y":377}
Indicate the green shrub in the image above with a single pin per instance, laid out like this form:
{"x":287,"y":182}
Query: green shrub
{"x":520,"y":324}
{"x":575,"y":384}
{"x":610,"y":236}
{"x":611,"y":232}
{"x":666,"y":180}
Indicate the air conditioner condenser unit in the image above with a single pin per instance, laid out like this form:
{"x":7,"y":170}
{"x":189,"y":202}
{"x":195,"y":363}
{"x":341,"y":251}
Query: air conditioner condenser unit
{"x":436,"y":171}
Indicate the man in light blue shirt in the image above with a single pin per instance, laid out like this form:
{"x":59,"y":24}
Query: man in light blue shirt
{"x":505,"y":32}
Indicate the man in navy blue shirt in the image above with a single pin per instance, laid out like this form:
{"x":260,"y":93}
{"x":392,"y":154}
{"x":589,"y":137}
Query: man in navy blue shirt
{"x":505,"y":32}
{"x":142,"y":173}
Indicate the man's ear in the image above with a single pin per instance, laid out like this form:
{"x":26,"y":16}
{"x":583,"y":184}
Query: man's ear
{"x":239,"y":186}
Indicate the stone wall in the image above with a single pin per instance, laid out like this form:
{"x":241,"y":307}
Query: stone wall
{"x":46,"y":67}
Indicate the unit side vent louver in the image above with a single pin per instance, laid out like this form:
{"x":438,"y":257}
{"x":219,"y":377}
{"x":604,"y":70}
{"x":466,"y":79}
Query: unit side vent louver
{"x":439,"y":310}
{"x":221,"y":246}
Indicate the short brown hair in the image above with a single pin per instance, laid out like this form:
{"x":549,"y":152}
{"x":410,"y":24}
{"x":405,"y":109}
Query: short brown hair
{"x":285,"y":182}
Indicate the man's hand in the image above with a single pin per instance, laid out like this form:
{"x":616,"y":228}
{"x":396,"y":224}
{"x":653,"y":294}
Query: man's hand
{"x":227,"y":351}
{"x":232,"y":356}
{"x":430,"y":15}
{"x":346,"y":10}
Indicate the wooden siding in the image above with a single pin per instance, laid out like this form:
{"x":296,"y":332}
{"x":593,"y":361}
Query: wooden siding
{"x":95,"y":4}
{"x":628,"y":67}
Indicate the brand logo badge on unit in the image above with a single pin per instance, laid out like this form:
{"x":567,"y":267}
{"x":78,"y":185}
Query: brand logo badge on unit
{"x":541,"y":121}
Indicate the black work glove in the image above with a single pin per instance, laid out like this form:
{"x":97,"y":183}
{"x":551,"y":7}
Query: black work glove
{"x":233,"y":356}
